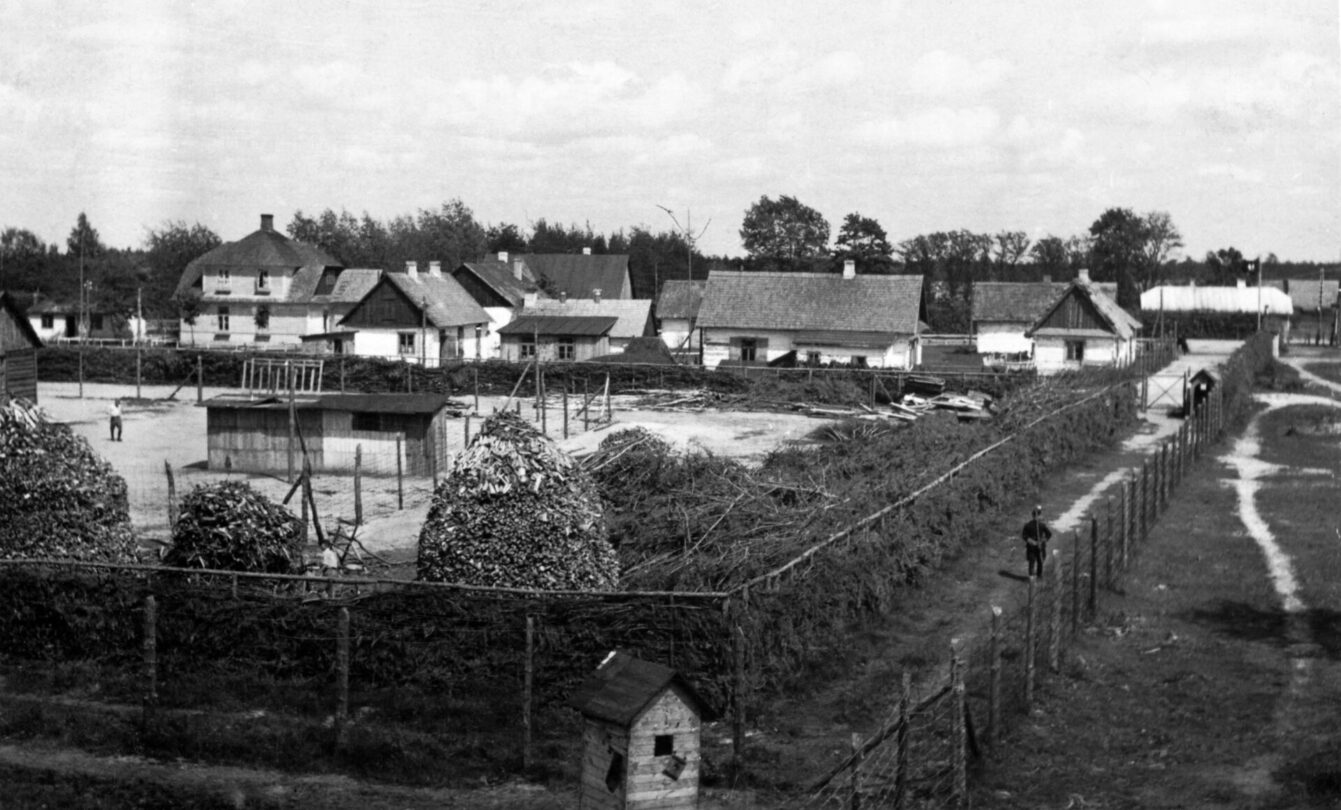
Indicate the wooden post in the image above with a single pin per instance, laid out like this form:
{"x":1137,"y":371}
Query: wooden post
{"x":539,"y":374}
{"x":544,"y":404}
{"x":358,"y":485}
{"x":465,"y":439}
{"x":138,"y":363}
{"x":904,"y":737}
{"x":342,"y":373}
{"x":433,"y":456}
{"x":150,"y":649}
{"x":961,"y":745}
{"x":527,"y":685}
{"x":341,"y":675}
{"x":172,"y":498}
{"x":1075,"y":582}
{"x":994,"y":690}
{"x":609,"y":413}
{"x":854,"y":775}
{"x":872,"y":391}
{"x":738,"y":684}
{"x":1127,"y":486}
{"x":293,"y":419}
{"x":307,"y":494}
{"x":1094,"y":566}
{"x":565,"y":409}
{"x":586,"y":403}
{"x":1108,"y":544}
{"x":475,"y":376}
{"x":1055,"y":622}
{"x":1164,"y":477}
{"x":1031,"y":609}
{"x":400,"y":476}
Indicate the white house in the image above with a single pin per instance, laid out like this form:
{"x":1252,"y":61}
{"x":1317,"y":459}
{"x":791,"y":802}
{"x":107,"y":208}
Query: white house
{"x":426,"y":318}
{"x":1003,"y":311}
{"x":267,"y":289}
{"x":757,"y":318}
{"x":500,"y":286}
{"x":677,"y":312}
{"x":575,"y":328}
{"x":1084,"y":327}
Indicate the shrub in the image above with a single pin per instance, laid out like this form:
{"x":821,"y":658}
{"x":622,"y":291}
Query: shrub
{"x":230,"y":526}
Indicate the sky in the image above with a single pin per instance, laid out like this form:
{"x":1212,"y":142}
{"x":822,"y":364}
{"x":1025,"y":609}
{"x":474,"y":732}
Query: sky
{"x":928,"y":115}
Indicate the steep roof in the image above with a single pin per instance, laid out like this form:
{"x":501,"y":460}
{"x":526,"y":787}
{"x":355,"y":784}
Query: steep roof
{"x":1241,"y":298}
{"x":1020,"y":302}
{"x":448,"y":302}
{"x":633,"y":315}
{"x":578,"y":274}
{"x":11,"y":306}
{"x":680,"y":298}
{"x":1116,"y":319}
{"x":623,"y":686}
{"x":1305,"y":293}
{"x":346,"y":286}
{"x":264,"y":248}
{"x":811,"y":301}
{"x":501,"y":278}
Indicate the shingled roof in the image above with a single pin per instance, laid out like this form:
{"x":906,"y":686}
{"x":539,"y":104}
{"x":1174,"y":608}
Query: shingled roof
{"x":501,"y":278}
{"x":1117,"y":319}
{"x":263,"y":248}
{"x":623,"y":686}
{"x":448,"y":303}
{"x":1020,"y":302}
{"x":580,"y":274}
{"x":633,"y":315}
{"x":812,"y":301}
{"x":680,"y":298}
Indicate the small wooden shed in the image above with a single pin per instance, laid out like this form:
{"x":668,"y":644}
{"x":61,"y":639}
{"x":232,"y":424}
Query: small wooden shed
{"x":18,"y":352}
{"x":641,"y":732}
{"x":1200,"y":387}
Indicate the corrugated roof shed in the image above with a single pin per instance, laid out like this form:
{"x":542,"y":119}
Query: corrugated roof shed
{"x":1305,"y":293}
{"x":811,"y":301}
{"x":623,"y":686}
{"x":1216,"y":299}
{"x":634,"y":315}
{"x":680,"y":298}
{"x":579,"y":274}
{"x":1021,"y":302}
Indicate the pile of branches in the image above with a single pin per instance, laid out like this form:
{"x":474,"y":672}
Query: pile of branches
{"x":229,"y":526}
{"x":516,"y":511}
{"x":58,"y":498}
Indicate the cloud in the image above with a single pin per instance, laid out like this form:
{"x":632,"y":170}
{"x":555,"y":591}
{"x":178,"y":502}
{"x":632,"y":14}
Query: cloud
{"x":1233,"y":171}
{"x":940,"y":127}
{"x":941,"y":74}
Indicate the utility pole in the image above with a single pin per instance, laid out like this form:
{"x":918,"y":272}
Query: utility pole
{"x":79,"y":317}
{"x":687,"y":232}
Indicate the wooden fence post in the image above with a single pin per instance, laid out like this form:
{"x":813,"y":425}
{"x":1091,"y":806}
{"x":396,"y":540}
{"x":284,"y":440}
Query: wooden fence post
{"x":854,"y":775}
{"x":904,"y":739}
{"x":994,"y":690}
{"x":1128,"y":501}
{"x":200,"y":379}
{"x":138,"y":362}
{"x":400,"y":475}
{"x":565,"y":409}
{"x":1094,"y":567}
{"x":1075,"y":581}
{"x":150,"y":650}
{"x":341,"y":675}
{"x":528,"y":682}
{"x":1031,"y":608}
{"x":305,"y":497}
{"x":476,"y":384}
{"x":1055,"y":622}
{"x":1108,"y":544}
{"x":358,"y":485}
{"x":960,"y":751}
{"x":738,"y":684}
{"x":172,"y":498}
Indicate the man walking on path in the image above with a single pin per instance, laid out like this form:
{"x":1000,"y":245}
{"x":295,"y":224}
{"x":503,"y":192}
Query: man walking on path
{"x":114,"y":411}
{"x":1036,"y":535}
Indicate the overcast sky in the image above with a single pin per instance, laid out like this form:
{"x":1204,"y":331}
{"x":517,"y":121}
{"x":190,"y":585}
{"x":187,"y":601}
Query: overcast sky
{"x":1032,"y":115}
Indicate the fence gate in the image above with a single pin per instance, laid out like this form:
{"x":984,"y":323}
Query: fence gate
{"x":1166,"y":389}
{"x":273,"y":376}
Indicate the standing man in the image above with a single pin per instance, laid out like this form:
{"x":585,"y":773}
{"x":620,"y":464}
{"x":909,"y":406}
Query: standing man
{"x":114,"y":412}
{"x":1036,"y":535}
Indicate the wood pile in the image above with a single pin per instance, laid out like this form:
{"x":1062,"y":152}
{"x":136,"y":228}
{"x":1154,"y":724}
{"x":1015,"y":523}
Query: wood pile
{"x":58,"y":498}
{"x":229,"y":526}
{"x":516,"y":511}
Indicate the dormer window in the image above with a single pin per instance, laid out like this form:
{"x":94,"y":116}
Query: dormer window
{"x":225,"y":280}
{"x":262,"y":281}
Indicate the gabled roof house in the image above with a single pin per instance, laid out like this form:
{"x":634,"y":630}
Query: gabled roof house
{"x":500,"y":286}
{"x":578,"y":275}
{"x":1084,"y":327}
{"x":1003,"y":311}
{"x":575,"y":329}
{"x":426,"y":318}
{"x":677,"y":312}
{"x":757,"y":318}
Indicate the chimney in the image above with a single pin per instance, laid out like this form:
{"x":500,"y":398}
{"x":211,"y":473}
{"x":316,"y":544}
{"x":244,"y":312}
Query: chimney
{"x":586,"y":251}
{"x":1047,"y":278}
{"x":596,"y":294}
{"x":503,"y":256}
{"x":516,"y":269}
{"x":1083,"y":275}
{"x":563,"y":296}
{"x":435,"y":269}
{"x":529,"y":300}
{"x":1242,"y":284}
{"x":849,"y":268}
{"x":267,"y":222}
{"x":412,"y":269}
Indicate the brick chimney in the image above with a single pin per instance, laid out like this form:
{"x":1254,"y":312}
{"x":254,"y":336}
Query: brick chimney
{"x":267,"y":222}
{"x":503,"y":256}
{"x":412,"y":269}
{"x":1083,"y":275}
{"x":517,"y":269}
{"x":435,"y":269}
{"x":586,"y":251}
{"x":849,"y":268}
{"x":563,"y":296}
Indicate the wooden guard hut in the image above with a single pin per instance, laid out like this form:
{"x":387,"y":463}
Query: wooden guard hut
{"x":642,"y":725}
{"x":18,"y":352}
{"x":1200,"y":387}
{"x":251,"y":434}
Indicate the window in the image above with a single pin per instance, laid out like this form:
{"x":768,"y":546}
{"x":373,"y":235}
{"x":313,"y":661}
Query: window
{"x":48,"y":321}
{"x":262,"y":318}
{"x":749,"y":350}
{"x":262,"y":281}
{"x":1075,"y":350}
{"x":567,"y":349}
{"x":225,"y":279}
{"x":812,"y":358}
{"x":380,"y":422}
{"x":527,"y":349}
{"x":405,"y":343}
{"x":859,"y":361}
{"x":222,"y":319}
{"x":663,"y":745}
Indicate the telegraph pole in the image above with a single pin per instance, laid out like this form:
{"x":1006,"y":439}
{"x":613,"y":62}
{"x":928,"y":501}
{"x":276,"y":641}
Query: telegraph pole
{"x":687,"y":231}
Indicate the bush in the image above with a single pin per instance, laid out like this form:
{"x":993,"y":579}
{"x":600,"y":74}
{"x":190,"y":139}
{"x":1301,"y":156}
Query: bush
{"x":57,"y":497}
{"x":515,"y":511}
{"x":229,"y":526}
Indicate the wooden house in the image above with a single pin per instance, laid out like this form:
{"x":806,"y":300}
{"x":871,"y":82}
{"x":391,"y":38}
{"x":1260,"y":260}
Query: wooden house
{"x":761,"y":317}
{"x":641,"y":737}
{"x":268,"y":289}
{"x":574,"y":329}
{"x":426,"y":318}
{"x":677,"y":313}
{"x":18,"y":352}
{"x":500,"y":287}
{"x":1003,"y":311}
{"x":57,"y":321}
{"x":1084,"y":327}
{"x":252,"y":434}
